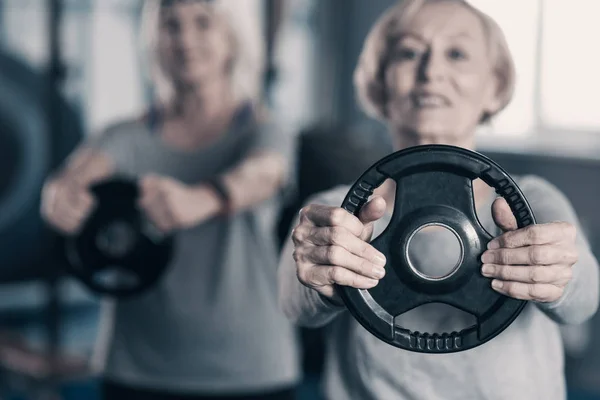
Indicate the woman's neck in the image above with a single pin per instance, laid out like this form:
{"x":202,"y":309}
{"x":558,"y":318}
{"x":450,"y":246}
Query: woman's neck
{"x":202,"y":102}
{"x":403,"y":139}
{"x":197,"y":116}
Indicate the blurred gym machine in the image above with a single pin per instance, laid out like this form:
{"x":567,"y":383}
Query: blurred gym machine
{"x":38,"y":129}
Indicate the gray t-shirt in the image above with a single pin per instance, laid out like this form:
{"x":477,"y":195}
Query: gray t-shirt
{"x":523,"y":362}
{"x":212,"y":324}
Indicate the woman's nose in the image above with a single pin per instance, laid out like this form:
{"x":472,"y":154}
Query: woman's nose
{"x":187,"y":38}
{"x":431,"y":67}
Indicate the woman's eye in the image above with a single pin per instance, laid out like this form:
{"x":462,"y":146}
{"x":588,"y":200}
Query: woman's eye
{"x":407,"y":54}
{"x":203,"y":22}
{"x":457,"y":54}
{"x":172,"y":26}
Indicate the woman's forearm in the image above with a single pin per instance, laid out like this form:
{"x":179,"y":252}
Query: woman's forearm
{"x":86,"y":166}
{"x":255,"y":179}
{"x":301,"y":305}
{"x":580,"y":299}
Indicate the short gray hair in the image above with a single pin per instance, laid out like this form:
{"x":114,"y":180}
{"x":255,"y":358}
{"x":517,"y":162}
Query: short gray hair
{"x":368,"y":75}
{"x":246,"y":39}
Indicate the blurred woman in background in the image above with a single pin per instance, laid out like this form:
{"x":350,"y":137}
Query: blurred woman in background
{"x":211,"y":169}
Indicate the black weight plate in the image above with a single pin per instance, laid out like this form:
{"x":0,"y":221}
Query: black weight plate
{"x":434,"y":186}
{"x":118,"y":253}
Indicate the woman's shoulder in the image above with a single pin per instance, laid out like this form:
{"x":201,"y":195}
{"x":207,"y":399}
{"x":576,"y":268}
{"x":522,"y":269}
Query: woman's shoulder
{"x":537,"y":186}
{"x":124,"y":127}
{"x":118,"y":136}
{"x":547,"y":201}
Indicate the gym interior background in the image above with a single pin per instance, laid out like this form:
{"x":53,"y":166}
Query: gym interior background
{"x":69,"y":67}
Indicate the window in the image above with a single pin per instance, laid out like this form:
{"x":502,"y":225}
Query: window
{"x":99,"y":49}
{"x":295,"y":89}
{"x":24,"y":28}
{"x":570,"y":73}
{"x":115,"y":82}
{"x":554,"y":46}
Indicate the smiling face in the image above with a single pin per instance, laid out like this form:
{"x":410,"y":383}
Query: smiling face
{"x":439,"y":78}
{"x":194,"y":43}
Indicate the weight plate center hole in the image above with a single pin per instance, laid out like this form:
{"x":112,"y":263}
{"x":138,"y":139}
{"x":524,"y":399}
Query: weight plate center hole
{"x":434,"y":251}
{"x":116,"y":239}
{"x":116,"y":277}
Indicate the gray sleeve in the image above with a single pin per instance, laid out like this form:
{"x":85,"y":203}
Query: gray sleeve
{"x":579,"y":301}
{"x":303,"y":306}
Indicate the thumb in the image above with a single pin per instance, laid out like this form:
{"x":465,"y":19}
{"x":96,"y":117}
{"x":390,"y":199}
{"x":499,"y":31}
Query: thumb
{"x":146,"y":186}
{"x":145,"y":181}
{"x":503,"y":216}
{"x":371,"y":212}
{"x":149,"y":182}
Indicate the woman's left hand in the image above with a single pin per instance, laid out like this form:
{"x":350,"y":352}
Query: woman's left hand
{"x":531,"y":263}
{"x":172,"y":205}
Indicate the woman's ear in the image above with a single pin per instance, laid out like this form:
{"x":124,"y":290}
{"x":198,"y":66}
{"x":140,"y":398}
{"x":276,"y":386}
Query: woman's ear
{"x":495,"y":96}
{"x":499,"y":90}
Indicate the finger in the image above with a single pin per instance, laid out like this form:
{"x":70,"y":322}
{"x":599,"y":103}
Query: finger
{"x":78,"y":214}
{"x":151,"y":177}
{"x":71,"y":211}
{"x":372,"y":210}
{"x":532,"y":255}
{"x":303,"y":218}
{"x":555,"y":232}
{"x":320,"y":215}
{"x":300,"y":233}
{"x":160,"y":220}
{"x":321,"y":275}
{"x":503,"y":216}
{"x":369,"y":213}
{"x":149,"y":196}
{"x":541,"y":292}
{"x":547,"y":254}
{"x":76,"y":223}
{"x":149,"y":181}
{"x":156,"y":211}
{"x":148,"y":189}
{"x":336,"y":255}
{"x":84,"y":201}
{"x":342,"y":237}
{"x":67,"y":224}
{"x":50,"y":195}
{"x":156,"y":206}
{"x":555,"y":274}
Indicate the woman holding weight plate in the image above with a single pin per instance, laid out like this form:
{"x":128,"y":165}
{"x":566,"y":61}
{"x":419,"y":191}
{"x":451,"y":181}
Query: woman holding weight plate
{"x":211,"y":169}
{"x":432,"y":71}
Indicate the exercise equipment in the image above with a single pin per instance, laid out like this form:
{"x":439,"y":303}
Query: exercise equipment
{"x":434,"y":186}
{"x":118,"y":252}
{"x":29,"y":149}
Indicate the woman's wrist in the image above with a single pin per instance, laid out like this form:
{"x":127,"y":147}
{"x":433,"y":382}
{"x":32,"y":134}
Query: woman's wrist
{"x":335,"y":300}
{"x":221,"y":195}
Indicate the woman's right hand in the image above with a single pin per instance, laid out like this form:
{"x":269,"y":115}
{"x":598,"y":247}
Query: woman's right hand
{"x":331,"y":246}
{"x":66,"y":204}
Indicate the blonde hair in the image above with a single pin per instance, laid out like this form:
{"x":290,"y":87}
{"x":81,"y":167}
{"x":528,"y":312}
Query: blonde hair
{"x":368,"y":75}
{"x":246,"y":42}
